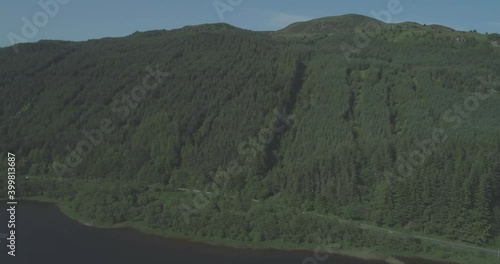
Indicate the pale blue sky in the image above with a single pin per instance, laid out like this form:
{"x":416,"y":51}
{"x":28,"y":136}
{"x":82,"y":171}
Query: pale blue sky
{"x":90,"y":19}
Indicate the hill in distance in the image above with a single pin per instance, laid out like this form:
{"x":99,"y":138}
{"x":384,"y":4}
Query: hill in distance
{"x":329,"y":24}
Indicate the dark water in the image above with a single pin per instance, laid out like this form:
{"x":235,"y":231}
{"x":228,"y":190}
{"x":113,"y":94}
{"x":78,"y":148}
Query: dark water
{"x":45,"y":235}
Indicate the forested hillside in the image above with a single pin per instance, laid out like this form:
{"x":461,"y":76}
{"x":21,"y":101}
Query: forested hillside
{"x":400,"y":130}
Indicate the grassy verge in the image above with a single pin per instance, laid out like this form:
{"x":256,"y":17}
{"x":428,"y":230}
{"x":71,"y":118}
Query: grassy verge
{"x":434,"y":253}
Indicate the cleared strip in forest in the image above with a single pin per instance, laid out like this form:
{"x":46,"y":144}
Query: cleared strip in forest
{"x":297,"y":85}
{"x":353,"y":104}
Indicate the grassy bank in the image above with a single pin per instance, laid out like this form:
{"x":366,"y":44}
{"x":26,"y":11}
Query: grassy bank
{"x":436,"y":253}
{"x":67,"y":210}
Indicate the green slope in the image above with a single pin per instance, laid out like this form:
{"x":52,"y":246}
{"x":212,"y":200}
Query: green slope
{"x":401,"y":131}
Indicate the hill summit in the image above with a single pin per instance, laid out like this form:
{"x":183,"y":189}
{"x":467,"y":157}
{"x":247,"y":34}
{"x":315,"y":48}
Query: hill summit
{"x":329,"y":24}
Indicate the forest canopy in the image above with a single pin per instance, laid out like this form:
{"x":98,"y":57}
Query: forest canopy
{"x":402,"y":132}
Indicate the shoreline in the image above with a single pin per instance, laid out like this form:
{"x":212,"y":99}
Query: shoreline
{"x":68,"y":212}
{"x":366,"y":254}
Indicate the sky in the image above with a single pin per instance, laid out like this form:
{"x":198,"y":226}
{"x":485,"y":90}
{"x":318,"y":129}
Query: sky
{"x":77,"y":20}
